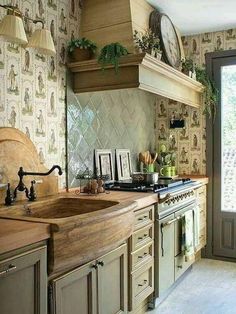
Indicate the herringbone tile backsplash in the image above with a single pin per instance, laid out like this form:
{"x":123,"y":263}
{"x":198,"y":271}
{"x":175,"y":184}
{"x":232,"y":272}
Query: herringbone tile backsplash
{"x":111,"y":119}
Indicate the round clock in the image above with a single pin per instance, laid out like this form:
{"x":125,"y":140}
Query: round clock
{"x":161,"y":25}
{"x":170,"y":41}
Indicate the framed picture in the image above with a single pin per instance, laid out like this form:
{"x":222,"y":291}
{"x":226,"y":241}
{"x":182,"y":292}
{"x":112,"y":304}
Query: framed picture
{"x":123,"y":161}
{"x":104,"y":163}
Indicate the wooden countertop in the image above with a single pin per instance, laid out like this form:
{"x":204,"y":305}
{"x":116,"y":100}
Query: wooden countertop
{"x":15,"y":234}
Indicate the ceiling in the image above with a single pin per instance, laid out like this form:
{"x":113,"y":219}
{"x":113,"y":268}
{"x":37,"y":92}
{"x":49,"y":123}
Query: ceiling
{"x":199,"y":16}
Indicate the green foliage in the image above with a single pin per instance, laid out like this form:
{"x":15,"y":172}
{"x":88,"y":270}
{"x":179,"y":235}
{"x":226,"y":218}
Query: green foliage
{"x":211,"y":93}
{"x":147,"y":41}
{"x":82,"y":43}
{"x":110,"y":54}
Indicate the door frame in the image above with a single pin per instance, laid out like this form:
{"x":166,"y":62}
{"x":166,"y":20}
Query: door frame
{"x":208,"y":251}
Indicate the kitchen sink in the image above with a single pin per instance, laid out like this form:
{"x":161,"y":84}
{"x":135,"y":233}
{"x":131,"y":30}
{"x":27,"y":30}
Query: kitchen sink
{"x":82,"y":229}
{"x":56,"y":208}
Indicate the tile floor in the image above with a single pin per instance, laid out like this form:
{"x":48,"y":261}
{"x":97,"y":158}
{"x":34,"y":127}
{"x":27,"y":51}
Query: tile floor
{"x":210,"y":288}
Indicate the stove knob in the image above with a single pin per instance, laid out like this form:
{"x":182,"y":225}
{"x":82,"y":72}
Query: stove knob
{"x":177,"y":198}
{"x":192,"y":193}
{"x":168,"y":202}
{"x":185,"y":195}
{"x":189,"y":193}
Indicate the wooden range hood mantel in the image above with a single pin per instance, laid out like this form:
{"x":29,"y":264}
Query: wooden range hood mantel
{"x":137,"y":71}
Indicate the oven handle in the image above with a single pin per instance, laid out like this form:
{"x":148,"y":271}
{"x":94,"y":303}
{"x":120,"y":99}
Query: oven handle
{"x":163,"y":225}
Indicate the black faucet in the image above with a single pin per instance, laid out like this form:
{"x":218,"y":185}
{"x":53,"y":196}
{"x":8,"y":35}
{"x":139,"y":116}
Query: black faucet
{"x":31,"y":195}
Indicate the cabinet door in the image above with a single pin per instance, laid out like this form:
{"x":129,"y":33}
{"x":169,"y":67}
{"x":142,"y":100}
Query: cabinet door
{"x":23,"y":283}
{"x":112,"y":282}
{"x":75,"y":292}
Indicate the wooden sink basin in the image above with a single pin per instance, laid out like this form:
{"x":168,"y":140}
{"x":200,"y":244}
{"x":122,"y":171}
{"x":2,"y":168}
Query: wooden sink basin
{"x":62,"y":207}
{"x":81,"y":229}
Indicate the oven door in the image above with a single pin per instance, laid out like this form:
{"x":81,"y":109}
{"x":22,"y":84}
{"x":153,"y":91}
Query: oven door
{"x":181,"y":265}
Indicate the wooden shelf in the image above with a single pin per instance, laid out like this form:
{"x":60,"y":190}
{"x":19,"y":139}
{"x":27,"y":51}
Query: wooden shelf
{"x":137,"y":71}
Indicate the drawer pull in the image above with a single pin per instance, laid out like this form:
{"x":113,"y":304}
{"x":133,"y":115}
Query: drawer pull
{"x":8,"y":270}
{"x":142,"y":256}
{"x":143,"y":218}
{"x":144,"y":236}
{"x":144,"y":282}
{"x":180,"y":266}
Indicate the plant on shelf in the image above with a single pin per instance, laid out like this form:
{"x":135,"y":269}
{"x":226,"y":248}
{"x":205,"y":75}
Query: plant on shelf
{"x":110,"y":54}
{"x":211,"y":93}
{"x":81,"y":49}
{"x":148,"y":42}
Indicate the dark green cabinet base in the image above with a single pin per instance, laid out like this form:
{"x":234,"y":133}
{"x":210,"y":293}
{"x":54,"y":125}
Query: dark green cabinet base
{"x":23,"y":283}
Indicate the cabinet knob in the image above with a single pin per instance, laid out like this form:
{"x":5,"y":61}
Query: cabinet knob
{"x":180,"y":266}
{"x":95,"y":266}
{"x":101,"y":263}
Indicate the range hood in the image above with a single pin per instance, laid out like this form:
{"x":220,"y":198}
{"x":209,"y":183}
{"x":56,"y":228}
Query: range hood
{"x":137,"y":71}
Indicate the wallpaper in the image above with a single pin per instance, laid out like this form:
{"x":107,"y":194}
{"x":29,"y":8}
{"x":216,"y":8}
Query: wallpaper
{"x":189,"y":144}
{"x":111,"y":119}
{"x":32,"y":89}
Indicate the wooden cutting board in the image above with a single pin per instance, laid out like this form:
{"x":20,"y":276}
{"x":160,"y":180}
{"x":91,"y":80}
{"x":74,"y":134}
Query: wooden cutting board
{"x":17,"y":150}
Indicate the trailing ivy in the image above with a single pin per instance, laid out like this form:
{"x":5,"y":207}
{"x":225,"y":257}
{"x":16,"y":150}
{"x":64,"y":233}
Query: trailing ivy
{"x":210,"y":93}
{"x":110,"y":54}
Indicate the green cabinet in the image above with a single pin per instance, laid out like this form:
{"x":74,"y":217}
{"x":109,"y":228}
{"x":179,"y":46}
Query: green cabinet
{"x":99,"y":287}
{"x":23,"y":283}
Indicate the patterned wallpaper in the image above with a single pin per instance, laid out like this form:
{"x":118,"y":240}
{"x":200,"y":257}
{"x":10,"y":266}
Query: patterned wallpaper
{"x":32,"y":90}
{"x":189,"y":143}
{"x":111,"y":119}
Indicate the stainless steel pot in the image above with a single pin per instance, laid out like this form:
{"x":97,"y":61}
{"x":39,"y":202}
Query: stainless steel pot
{"x":145,"y":177}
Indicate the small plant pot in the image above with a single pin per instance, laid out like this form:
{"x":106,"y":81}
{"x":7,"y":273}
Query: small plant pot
{"x":81,"y":54}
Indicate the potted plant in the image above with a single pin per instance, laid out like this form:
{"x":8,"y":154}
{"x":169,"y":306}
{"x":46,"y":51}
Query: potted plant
{"x":110,"y":54}
{"x":211,"y":93}
{"x":81,"y":49}
{"x":148,"y":42}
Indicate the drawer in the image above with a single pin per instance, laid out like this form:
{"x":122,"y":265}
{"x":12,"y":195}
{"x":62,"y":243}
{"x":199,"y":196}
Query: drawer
{"x":141,"y":237}
{"x":181,"y":265}
{"x":142,"y":256}
{"x":202,"y":218}
{"x":202,"y":237}
{"x":142,"y":284}
{"x":201,"y":192}
{"x":144,"y":217}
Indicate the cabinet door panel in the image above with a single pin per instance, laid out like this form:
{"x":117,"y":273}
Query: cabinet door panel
{"x":23,"y":283}
{"x":75,"y":292}
{"x":112,"y":282}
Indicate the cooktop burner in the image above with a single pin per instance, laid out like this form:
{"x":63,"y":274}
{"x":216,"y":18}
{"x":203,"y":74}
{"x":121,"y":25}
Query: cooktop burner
{"x":163,"y":184}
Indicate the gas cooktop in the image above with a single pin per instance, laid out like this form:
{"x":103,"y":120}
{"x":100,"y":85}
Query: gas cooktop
{"x":164,"y":184}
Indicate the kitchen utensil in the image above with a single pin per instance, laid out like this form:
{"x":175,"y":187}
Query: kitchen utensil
{"x":145,"y":178}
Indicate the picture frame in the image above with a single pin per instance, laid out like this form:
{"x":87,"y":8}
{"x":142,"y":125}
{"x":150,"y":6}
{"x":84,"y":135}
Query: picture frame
{"x":124,"y":166}
{"x":104,"y":163}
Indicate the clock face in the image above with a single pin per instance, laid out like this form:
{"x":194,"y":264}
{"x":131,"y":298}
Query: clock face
{"x":170,"y":41}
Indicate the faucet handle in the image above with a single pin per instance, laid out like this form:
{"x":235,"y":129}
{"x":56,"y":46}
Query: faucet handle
{"x":9,"y":198}
{"x":32,"y":194}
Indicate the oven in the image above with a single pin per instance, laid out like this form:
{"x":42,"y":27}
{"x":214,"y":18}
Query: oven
{"x":169,"y":261}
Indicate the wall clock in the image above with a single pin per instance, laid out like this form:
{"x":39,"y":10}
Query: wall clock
{"x":162,"y":26}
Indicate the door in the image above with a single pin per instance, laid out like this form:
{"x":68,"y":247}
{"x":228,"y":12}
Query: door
{"x":23,"y":283}
{"x":222,"y":161}
{"x":75,"y":292}
{"x":112,"y":282}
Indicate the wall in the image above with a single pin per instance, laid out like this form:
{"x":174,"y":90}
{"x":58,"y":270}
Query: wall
{"x":190,"y":143}
{"x":38,"y":109}
{"x":111,"y":119}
